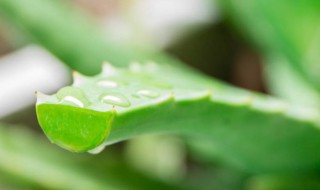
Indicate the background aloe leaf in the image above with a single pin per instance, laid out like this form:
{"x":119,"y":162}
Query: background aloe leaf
{"x":68,"y":33}
{"x":292,"y":86}
{"x":288,"y":28}
{"x":62,"y":170}
{"x":162,"y":156}
{"x":120,"y":104}
{"x":284,"y":182}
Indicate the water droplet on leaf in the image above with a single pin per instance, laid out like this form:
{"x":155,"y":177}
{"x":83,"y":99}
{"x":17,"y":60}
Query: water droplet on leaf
{"x":72,"y":96}
{"x":148,"y":93}
{"x":107,"y":83}
{"x":73,"y":101}
{"x":115,"y":99}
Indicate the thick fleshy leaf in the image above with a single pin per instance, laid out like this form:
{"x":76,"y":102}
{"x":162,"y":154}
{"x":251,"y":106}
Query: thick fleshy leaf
{"x":252,"y":131}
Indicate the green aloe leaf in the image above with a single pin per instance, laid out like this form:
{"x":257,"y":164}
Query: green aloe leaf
{"x":288,"y":28}
{"x":284,"y":182}
{"x":292,"y":86}
{"x":252,"y":131}
{"x":69,"y":33}
{"x":28,"y":161}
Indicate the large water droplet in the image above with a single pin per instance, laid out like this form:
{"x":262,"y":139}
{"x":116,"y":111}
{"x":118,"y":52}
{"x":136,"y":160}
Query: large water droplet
{"x":115,"y":99}
{"x":73,"y":101}
{"x":107,"y":83}
{"x":148,"y":93}
{"x":72,"y":96}
{"x":97,"y":150}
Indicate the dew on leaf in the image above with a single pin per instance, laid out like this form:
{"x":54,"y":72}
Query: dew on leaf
{"x":72,"y":96}
{"x":148,"y":93}
{"x":107,"y":83}
{"x":115,"y":99}
{"x":74,"y":101}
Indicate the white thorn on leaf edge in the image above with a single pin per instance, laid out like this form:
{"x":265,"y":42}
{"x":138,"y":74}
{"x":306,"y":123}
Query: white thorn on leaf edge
{"x":108,"y":68}
{"x":78,"y":78}
{"x":41,"y":97}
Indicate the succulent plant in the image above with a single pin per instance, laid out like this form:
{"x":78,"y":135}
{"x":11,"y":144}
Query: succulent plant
{"x":255,"y":132}
{"x":251,"y":130}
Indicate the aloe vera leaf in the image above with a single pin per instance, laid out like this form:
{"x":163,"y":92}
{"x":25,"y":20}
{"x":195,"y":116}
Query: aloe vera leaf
{"x":284,"y":182}
{"x":252,"y":131}
{"x":79,"y":42}
{"x":10,"y":182}
{"x":290,"y":28}
{"x":23,"y":159}
{"x":32,"y":163}
{"x":68,"y":33}
{"x":292,"y":86}
{"x":74,"y":37}
{"x":162,"y":156}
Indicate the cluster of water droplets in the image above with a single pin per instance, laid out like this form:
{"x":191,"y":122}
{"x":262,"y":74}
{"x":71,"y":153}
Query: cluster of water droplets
{"x":110,"y":89}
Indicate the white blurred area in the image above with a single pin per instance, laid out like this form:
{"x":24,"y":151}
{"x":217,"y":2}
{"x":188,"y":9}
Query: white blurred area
{"x":159,"y":22}
{"x":25,"y":71}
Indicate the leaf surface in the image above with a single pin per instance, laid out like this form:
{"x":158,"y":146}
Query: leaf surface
{"x":252,"y":131}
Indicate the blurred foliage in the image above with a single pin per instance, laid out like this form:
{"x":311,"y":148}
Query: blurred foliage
{"x":284,"y":182}
{"x":282,"y":28}
{"x":29,"y":160}
{"x":68,"y":33}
